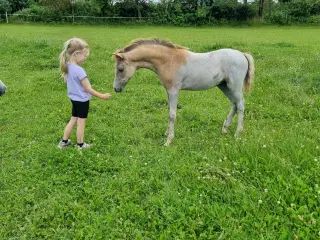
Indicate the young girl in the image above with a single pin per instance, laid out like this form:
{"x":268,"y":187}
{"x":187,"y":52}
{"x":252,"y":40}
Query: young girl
{"x":79,"y":89}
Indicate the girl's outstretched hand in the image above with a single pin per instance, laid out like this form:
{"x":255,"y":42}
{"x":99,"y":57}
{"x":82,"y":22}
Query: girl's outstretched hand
{"x":106,"y":96}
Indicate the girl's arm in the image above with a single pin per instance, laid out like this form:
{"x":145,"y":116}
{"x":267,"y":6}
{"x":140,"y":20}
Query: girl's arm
{"x":88,"y":89}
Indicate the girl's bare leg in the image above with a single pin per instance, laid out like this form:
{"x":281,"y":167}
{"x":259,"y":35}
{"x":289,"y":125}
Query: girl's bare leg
{"x":80,"y":130}
{"x":69,"y":127}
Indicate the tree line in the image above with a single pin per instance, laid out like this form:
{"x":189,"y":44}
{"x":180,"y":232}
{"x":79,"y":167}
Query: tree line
{"x":174,"y":12}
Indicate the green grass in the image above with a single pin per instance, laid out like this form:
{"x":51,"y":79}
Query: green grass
{"x":128,"y":186}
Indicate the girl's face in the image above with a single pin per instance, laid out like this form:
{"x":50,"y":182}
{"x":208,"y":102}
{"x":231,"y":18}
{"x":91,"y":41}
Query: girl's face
{"x":80,"y":56}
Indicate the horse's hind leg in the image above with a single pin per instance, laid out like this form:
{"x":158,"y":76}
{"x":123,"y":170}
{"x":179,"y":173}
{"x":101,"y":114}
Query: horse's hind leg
{"x":240,"y":109}
{"x":226,"y":124}
{"x":237,"y":105}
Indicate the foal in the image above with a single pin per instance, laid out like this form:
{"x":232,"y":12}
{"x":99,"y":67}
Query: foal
{"x":180,"y":69}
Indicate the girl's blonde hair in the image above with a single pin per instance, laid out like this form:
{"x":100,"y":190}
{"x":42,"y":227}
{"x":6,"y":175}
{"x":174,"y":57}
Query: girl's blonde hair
{"x":69,"y":47}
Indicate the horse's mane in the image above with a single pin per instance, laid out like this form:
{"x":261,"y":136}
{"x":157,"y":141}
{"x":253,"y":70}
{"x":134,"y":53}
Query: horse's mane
{"x":150,"y":41}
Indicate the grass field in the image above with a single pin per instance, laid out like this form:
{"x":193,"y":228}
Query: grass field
{"x":129,"y":186}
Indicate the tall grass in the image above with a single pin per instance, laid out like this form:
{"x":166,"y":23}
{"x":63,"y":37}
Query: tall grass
{"x":128,"y":186}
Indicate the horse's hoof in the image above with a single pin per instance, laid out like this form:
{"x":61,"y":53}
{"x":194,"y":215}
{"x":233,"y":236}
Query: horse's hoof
{"x":224,"y":130}
{"x":167,"y":143}
{"x":237,"y":135}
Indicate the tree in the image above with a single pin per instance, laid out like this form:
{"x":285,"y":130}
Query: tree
{"x":58,"y":5}
{"x":17,"y":5}
{"x":131,"y":8}
{"x":5,"y":8}
{"x":269,"y":6}
{"x":105,"y":6}
{"x":138,"y":4}
{"x":315,"y":8}
{"x":285,"y":4}
{"x":224,"y":10}
{"x":260,"y":12}
{"x":189,"y":6}
{"x":244,"y":12}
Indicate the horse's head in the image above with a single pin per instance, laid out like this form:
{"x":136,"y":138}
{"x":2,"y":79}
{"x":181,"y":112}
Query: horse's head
{"x":124,"y":70}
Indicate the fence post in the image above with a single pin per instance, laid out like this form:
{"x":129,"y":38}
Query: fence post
{"x":73,"y":3}
{"x":7,"y":17}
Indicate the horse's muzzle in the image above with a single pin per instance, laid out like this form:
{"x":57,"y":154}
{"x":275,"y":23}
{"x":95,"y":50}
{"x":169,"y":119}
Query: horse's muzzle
{"x":118,"y":89}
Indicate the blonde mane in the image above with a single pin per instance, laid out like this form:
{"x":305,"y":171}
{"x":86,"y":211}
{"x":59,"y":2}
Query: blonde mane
{"x":150,"y":41}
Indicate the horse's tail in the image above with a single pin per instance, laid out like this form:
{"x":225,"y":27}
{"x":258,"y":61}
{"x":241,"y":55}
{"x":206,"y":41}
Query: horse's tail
{"x":250,"y":73}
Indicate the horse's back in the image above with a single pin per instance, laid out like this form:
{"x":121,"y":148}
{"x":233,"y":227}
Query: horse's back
{"x":206,"y":70}
{"x":228,"y":55}
{"x":225,"y":59}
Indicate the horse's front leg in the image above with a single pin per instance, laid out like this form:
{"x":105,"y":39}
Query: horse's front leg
{"x":172,"y":107}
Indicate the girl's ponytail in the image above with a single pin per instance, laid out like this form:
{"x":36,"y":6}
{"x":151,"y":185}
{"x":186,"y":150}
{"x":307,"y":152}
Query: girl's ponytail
{"x":63,"y":63}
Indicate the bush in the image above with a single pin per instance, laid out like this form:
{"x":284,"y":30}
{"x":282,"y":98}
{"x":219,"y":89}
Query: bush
{"x":178,"y":20}
{"x":85,"y":8}
{"x":171,"y":12}
{"x":244,"y":12}
{"x":315,"y":8}
{"x":223,"y":11}
{"x":38,"y":14}
{"x":280,"y":18}
{"x":315,"y":20}
{"x":300,"y":9}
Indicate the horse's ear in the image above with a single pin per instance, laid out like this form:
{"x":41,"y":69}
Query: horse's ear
{"x":117,"y":56}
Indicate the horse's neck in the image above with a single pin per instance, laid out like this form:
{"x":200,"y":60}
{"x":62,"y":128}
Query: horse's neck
{"x":150,"y":57}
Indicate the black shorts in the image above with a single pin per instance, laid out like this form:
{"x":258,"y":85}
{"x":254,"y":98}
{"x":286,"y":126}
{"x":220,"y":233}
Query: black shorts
{"x":80,"y":109}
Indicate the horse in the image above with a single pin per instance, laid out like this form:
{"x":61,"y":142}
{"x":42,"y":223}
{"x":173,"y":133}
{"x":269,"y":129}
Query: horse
{"x":2,"y":88}
{"x":180,"y":69}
